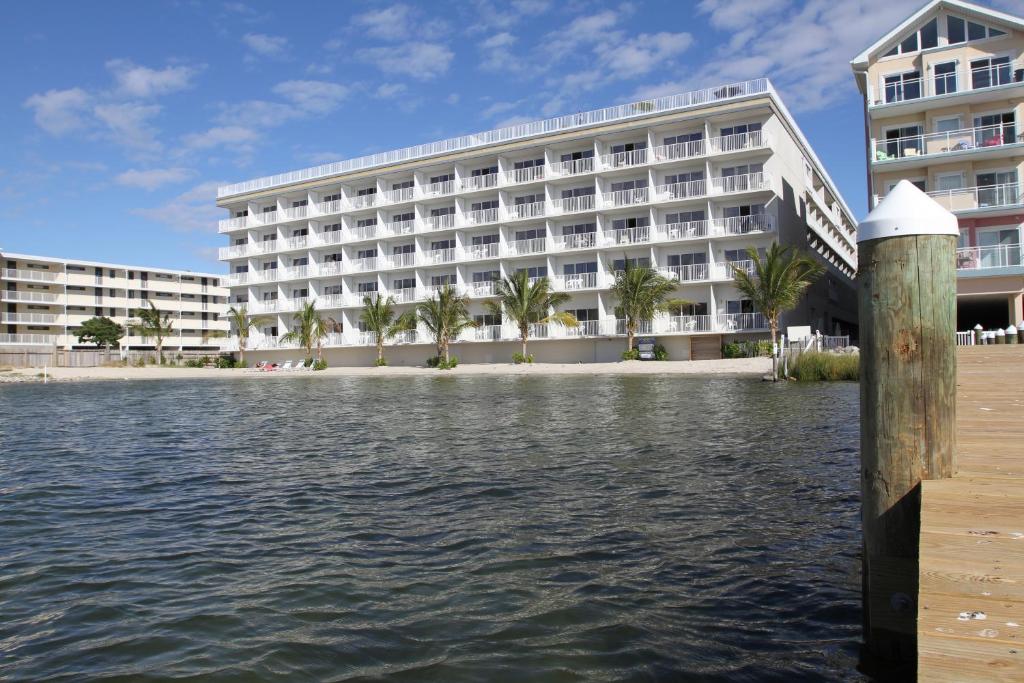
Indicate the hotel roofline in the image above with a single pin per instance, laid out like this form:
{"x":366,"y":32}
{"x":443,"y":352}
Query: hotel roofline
{"x":582,"y":121}
{"x":100,"y":264}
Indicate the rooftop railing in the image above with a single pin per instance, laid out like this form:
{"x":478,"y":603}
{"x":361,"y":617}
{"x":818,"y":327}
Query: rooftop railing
{"x":658,"y":105}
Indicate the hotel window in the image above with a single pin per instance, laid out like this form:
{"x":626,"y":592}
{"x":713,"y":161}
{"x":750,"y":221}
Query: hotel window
{"x":684,"y":217}
{"x":955,"y":30}
{"x":444,"y":211}
{"x":366,"y":191}
{"x":736,"y":255}
{"x":272,"y":237}
{"x":904,"y":141}
{"x":270,"y":265}
{"x":535,"y":271}
{"x":681,"y":186}
{"x":634,"y":261}
{"x":300,"y":293}
{"x":999,"y":247}
{"x":268,"y":209}
{"x":301,"y":261}
{"x":531,"y":234}
{"x":241,"y":214}
{"x":579,"y":268}
{"x":484,"y":239}
{"x":362,"y":287}
{"x":404,"y":185}
{"x":739,"y":306}
{"x":529,"y":163}
{"x":270,"y":296}
{"x":367,"y":253}
{"x":698,"y":308}
{"x":404,"y":283}
{"x":629,"y":185}
{"x":336,"y":197}
{"x":332,"y":227}
{"x":631,"y":222}
{"x":688,"y":259}
{"x":404,"y":249}
{"x":741,"y":129}
{"x":487,"y":276}
{"x":332,"y":258}
{"x":990,"y":71}
{"x":584,"y":314}
{"x":576,"y":156}
{"x":945,"y":78}
{"x":441,"y":280}
{"x":682,"y":139}
{"x":992,"y":130}
{"x":580,"y":229}
{"x":241,"y":269}
{"x":529,"y":199}
{"x":366,"y":222}
{"x":300,"y":232}
{"x":443,"y":178}
{"x":487,"y":319}
{"x":628,"y":147}
{"x":949,"y":124}
{"x":745,"y":169}
{"x":484,"y":206}
{"x":904,"y":86}
{"x":489,"y":170}
{"x":239,"y":241}
{"x":301,"y":202}
{"x":332,"y":290}
{"x":442,"y":244}
{"x":998,"y":188}
{"x":403,"y":217}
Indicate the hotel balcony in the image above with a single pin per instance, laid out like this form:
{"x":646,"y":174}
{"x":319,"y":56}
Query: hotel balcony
{"x":482,"y":252}
{"x":477,"y":183}
{"x":30,"y":318}
{"x":1000,"y":259}
{"x":441,"y":189}
{"x":31,"y":275}
{"x":442,"y":222}
{"x":29,"y":297}
{"x":980,"y":200}
{"x":630,"y":159}
{"x":480,"y":217}
{"x":294,"y":213}
{"x":986,"y":142}
{"x":577,"y":204}
{"x":406,"y":260}
{"x":525,"y":247}
{"x":619,"y":198}
{"x":911,"y":95}
{"x":399,"y":196}
{"x":519,"y":176}
{"x":482,"y":289}
{"x":29,"y":339}
{"x":573,"y":283}
{"x":573,"y":167}
{"x":704,"y":272}
{"x":434,"y":257}
{"x":522,"y":211}
{"x":398,"y":228}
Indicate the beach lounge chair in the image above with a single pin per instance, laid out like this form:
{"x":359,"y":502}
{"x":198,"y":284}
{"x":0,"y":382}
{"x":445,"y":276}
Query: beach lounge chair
{"x":287,"y":365}
{"x":300,"y":365}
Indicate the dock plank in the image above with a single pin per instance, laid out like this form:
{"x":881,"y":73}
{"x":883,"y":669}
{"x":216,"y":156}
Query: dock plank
{"x":971,"y":601}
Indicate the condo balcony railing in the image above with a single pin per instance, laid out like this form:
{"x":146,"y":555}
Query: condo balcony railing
{"x":363,"y":232}
{"x":29,"y":339}
{"x":573,"y":167}
{"x":994,"y":256}
{"x":624,"y":236}
{"x":579,"y":240}
{"x":234,"y":251}
{"x":950,"y":142}
{"x":482,"y":251}
{"x":523,"y":247}
{"x":330,"y":237}
{"x":680,"y":150}
{"x":583,"y":202}
{"x":480,"y":217}
{"x":403,"y":295}
{"x":406,"y":337}
{"x":479,"y":182}
{"x":437,"y":189}
{"x":395,"y":228}
{"x":693,"y":272}
{"x":567,"y":283}
{"x":295,"y":303}
{"x":33,"y":275}
{"x":524,"y":175}
{"x":689,"y":323}
{"x":635,"y":157}
{"x":363,"y":201}
{"x":486,"y":333}
{"x":979,"y":78}
{"x":488,"y":288}
{"x":642,"y":326}
{"x":583,"y":328}
{"x":749,"y":182}
{"x":404,"y":260}
{"x":435,"y":256}
{"x":265,"y":218}
{"x":638,"y":195}
{"x":226,"y":224}
{"x":28,"y":297}
{"x":297,"y":242}
{"x":980,"y":198}
{"x":332,"y":207}
{"x":29,"y":318}
{"x":725,"y":144}
{"x":330,"y":268}
{"x":430,"y":291}
{"x":296,"y":272}
{"x":294,"y":213}
{"x":261,"y":307}
{"x":734,"y":322}
{"x":328,"y":301}
{"x":529,"y":210}
{"x":359,"y":265}
{"x":692,"y":188}
{"x":442,"y":222}
{"x":404,"y":194}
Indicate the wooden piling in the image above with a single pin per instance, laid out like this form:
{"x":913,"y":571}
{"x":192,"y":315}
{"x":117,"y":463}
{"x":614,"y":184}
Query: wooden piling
{"x":907,"y":299}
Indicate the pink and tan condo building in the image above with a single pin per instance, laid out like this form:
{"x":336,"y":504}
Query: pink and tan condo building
{"x":943,"y":101}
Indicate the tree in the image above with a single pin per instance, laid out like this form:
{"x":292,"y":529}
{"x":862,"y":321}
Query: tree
{"x":242,"y":324}
{"x":101,"y":331}
{"x":379,"y":317}
{"x":309,"y":329}
{"x":526,"y":304}
{"x":641,"y":292}
{"x":445,"y":315}
{"x":776,"y":285}
{"x":154,"y":323}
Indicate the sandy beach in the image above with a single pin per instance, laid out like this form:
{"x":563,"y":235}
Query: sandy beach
{"x":734,"y":367}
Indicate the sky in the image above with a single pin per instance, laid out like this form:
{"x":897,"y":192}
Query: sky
{"x":121,"y":118}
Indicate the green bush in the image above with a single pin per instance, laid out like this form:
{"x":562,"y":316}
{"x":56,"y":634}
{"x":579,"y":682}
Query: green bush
{"x":151,"y":360}
{"x":632,"y":354}
{"x":193,"y":363}
{"x":380,"y":362}
{"x":747,"y":348}
{"x":440,"y":364}
{"x":319,"y":364}
{"x":139,"y":362}
{"x":222,"y":362}
{"x":825,"y":367}
{"x":660,"y":353}
{"x":518,"y":358}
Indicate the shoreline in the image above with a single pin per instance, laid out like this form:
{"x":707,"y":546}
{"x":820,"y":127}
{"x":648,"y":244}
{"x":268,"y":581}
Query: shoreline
{"x":730,"y":367}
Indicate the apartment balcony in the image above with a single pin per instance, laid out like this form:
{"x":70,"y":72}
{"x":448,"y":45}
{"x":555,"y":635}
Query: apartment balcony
{"x":982,"y":84}
{"x":358,"y":299}
{"x":688,"y":324}
{"x":695,"y":272}
{"x":578,"y":204}
{"x":28,"y":275}
{"x":636,"y":157}
{"x":330,"y":208}
{"x":518,"y":176}
{"x":1000,"y":259}
{"x":442,"y":189}
{"x":265,"y":218}
{"x":563,"y":169}
{"x":693,"y":189}
{"x":331,"y":237}
{"x":740,"y":322}
{"x":398,"y":228}
{"x":329,"y":269}
{"x":980,"y":200}
{"x":29,"y":339}
{"x":329,"y":301}
{"x":30,"y":318}
{"x":743,"y":225}
{"x":236,"y":279}
{"x":265,"y":275}
{"x":294,"y":213}
{"x":297,"y":272}
{"x":434,"y":257}
{"x":480,"y":217}
{"x":404,"y":295}
{"x":584,"y":328}
{"x":297,"y":242}
{"x":750,"y":182}
{"x":430,"y":291}
{"x":399,"y":196}
{"x":363,"y":232}
{"x":483,"y":289}
{"x":264,"y":307}
{"x":406,"y":260}
{"x":693,"y":149}
{"x":361,"y":265}
{"x":524,"y":211}
{"x":486,"y":333}
{"x":572,"y":283}
{"x":581,"y":240}
{"x":685,"y":230}
{"x":363,"y":201}
{"x":443,"y":222}
{"x":232,"y":224}
{"x":480,"y":252}
{"x":627,"y":236}
{"x":232,"y":252}
{"x":525,"y":247}
{"x":620,"y":198}
{"x":984,"y":142}
{"x":741,"y":142}
{"x":29,"y":297}
{"x":476,"y":183}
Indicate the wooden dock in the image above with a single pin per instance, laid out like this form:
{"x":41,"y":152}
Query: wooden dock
{"x":971,"y":603}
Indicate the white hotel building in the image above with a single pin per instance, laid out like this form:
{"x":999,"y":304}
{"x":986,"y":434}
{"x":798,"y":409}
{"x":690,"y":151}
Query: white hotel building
{"x":45,"y":301}
{"x":684,"y":184}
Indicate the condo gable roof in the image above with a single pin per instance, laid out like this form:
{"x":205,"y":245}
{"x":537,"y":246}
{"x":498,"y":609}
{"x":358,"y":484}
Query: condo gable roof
{"x":924,"y":14}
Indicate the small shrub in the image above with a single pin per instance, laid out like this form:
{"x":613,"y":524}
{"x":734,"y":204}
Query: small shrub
{"x":151,"y":360}
{"x":380,"y":362}
{"x":433,"y":361}
{"x":320,"y":364}
{"x":825,"y":367}
{"x":747,"y":348}
{"x":439,"y":362}
{"x":193,"y":363}
{"x":660,"y":353}
{"x":222,"y":362}
{"x":632,"y":354}
{"x":139,"y":362}
{"x":518,"y":358}
{"x":179,"y":357}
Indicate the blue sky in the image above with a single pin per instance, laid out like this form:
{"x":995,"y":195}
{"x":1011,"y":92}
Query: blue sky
{"x":120,"y":118}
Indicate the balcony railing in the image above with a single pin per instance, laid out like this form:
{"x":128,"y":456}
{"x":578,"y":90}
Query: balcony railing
{"x":637,"y":235}
{"x":234,"y":251}
{"x":573,"y":167}
{"x":524,"y":175}
{"x":358,"y":265}
{"x":980,"y":198}
{"x":967,"y":139}
{"x":979,"y":78}
{"x":995,"y":256}
{"x":29,"y":339}
{"x":297,"y":242}
{"x":479,"y":182}
{"x":33,"y":275}
{"x":685,"y":190}
{"x":404,"y":295}
{"x":330,"y":301}
{"x":482,"y":251}
{"x":680,"y":150}
{"x":694,"y":272}
{"x":363,"y":201}
{"x":642,"y":326}
{"x":395,"y":228}
{"x":735,"y":322}
{"x":684,"y":230}
{"x":260,"y":307}
{"x":437,"y":189}
{"x":579,"y":240}
{"x":488,"y":288}
{"x":486,"y":333}
{"x":294,"y":213}
{"x":744,"y":225}
{"x":440,"y":222}
{"x":329,"y":268}
{"x":583,"y":202}
{"x":404,"y":260}
{"x":480,"y":216}
{"x":634,"y":157}
{"x":574,"y":282}
{"x":29,"y":318}
{"x":331,"y":207}
{"x":295,"y":272}
{"x":727,"y":270}
{"x":584,"y":328}
{"x":689,"y":323}
{"x":522,"y":247}
{"x":29,"y":297}
{"x":757,"y":139}
{"x":404,"y":194}
{"x":519,"y":211}
{"x":229,"y":224}
{"x":330,"y":237}
{"x":749,"y":182}
{"x":363,"y":232}
{"x":638,"y":195}
{"x":265,"y":218}
{"x":435,"y":256}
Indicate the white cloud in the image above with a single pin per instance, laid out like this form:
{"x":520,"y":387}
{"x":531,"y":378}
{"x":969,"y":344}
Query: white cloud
{"x":319,"y":69}
{"x":497,"y":53}
{"x":153,"y":178}
{"x":314,"y":97}
{"x":59,"y":111}
{"x":265,"y":45}
{"x":193,"y":210}
{"x":387,"y":23}
{"x":642,"y":54}
{"x":388,"y":90}
{"x":127,"y":124}
{"x":732,"y":15}
{"x":419,"y":60}
{"x":491,"y":15}
{"x":140,"y":81}
{"x":499,"y":108}
{"x":220,"y":136}
{"x":453,"y":98}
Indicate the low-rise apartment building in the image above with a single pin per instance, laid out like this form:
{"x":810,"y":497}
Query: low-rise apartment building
{"x":45,"y":301}
{"x":684,"y":184}
{"x":943,"y":102}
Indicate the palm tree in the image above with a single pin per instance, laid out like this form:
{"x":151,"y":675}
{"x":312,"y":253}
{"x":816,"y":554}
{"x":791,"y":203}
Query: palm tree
{"x":309,"y":329}
{"x":779,"y":279}
{"x":641,"y":292}
{"x":525,"y":304}
{"x":379,"y":317}
{"x":445,"y":315}
{"x":154,"y":323}
{"x":242,"y":323}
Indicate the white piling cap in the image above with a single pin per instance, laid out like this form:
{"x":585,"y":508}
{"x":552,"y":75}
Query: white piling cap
{"x":1011,"y":330}
{"x":907,"y":211}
